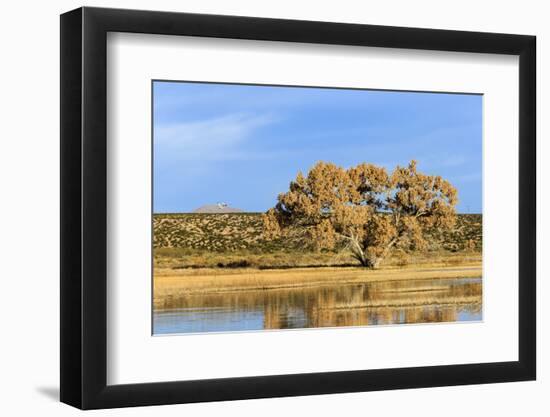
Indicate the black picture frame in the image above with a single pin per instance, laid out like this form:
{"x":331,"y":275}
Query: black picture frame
{"x":84,"y":207}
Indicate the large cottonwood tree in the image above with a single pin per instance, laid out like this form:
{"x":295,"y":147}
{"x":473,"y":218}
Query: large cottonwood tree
{"x":364,"y":208}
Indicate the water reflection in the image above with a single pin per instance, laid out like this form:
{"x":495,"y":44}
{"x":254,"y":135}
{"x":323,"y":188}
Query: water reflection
{"x":395,"y":302}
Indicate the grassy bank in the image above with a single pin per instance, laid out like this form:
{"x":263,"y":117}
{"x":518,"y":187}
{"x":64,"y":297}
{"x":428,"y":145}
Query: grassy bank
{"x":171,"y":283}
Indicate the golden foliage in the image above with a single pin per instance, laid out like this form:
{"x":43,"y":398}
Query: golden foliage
{"x":271,"y":225}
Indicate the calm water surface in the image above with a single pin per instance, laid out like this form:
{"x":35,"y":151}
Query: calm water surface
{"x":395,"y":302}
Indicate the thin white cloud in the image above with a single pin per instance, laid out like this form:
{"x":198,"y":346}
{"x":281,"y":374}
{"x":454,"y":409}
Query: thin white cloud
{"x":210,"y":137}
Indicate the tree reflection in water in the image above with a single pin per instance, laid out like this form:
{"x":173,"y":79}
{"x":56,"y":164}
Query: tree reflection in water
{"x":376,"y":303}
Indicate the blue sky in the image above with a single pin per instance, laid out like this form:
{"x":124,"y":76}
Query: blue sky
{"x":243,"y":144}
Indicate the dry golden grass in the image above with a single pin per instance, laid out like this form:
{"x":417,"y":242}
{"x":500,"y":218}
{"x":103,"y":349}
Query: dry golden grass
{"x":173,"y":283}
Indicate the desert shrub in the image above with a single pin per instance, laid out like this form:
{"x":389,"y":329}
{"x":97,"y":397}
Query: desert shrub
{"x":243,"y":263}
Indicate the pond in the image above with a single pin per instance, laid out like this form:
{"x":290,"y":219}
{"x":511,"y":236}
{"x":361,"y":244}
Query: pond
{"x":365,"y":304}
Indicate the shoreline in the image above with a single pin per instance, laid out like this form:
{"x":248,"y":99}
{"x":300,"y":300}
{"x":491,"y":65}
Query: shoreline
{"x":169,"y":283}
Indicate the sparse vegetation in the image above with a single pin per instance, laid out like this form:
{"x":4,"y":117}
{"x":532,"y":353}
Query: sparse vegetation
{"x":236,"y":241}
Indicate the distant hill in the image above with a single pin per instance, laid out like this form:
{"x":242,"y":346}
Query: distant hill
{"x":217,"y":208}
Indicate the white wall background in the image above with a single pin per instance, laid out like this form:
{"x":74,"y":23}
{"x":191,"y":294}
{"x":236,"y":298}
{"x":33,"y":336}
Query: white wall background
{"x":29,"y":227}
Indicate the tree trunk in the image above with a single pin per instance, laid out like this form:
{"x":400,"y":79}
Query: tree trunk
{"x":375,"y":261}
{"x":359,"y":254}
{"x":357,"y":251}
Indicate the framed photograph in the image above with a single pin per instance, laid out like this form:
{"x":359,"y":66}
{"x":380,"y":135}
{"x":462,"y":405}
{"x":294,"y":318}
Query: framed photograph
{"x":258,"y":208}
